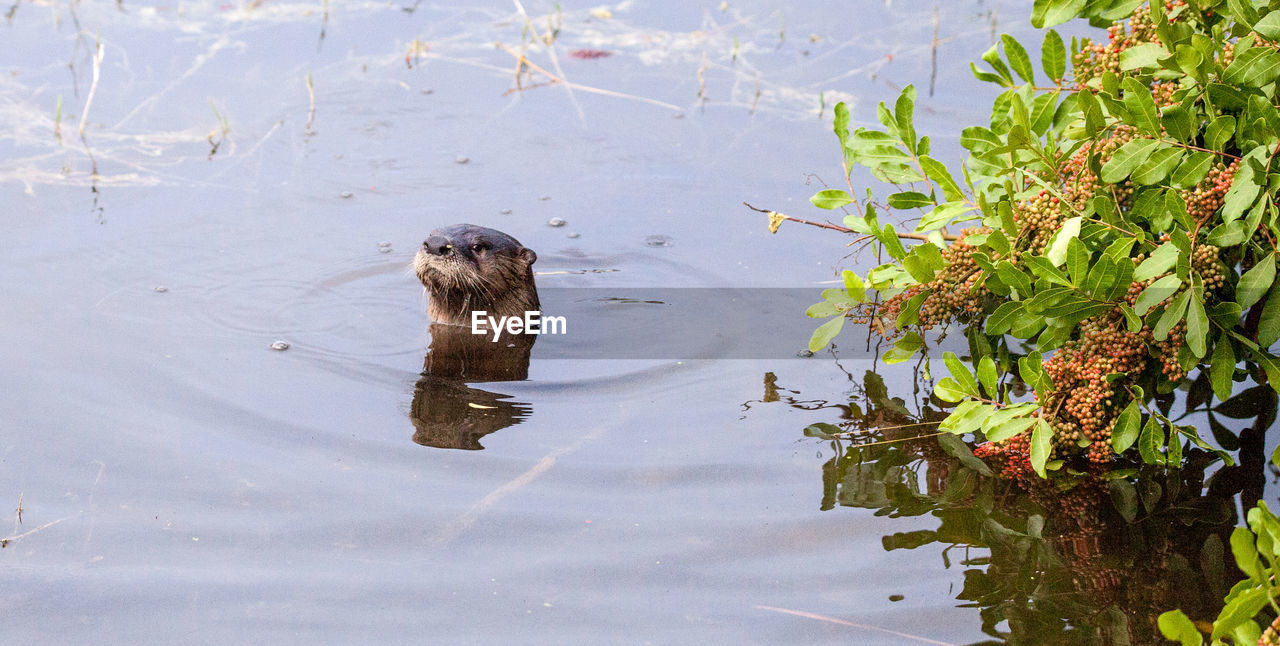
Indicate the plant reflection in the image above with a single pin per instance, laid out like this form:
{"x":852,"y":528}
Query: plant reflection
{"x":1092,"y":556}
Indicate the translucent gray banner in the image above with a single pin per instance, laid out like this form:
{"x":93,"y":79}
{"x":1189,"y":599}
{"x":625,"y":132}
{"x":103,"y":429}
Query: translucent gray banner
{"x":672,"y":323}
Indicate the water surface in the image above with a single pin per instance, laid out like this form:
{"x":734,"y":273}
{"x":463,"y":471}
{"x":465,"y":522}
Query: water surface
{"x":207,"y":488}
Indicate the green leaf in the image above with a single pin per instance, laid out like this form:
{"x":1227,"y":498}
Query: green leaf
{"x":948,"y":390}
{"x":1018,"y":59}
{"x":821,"y":310}
{"x":1240,"y":609}
{"x":903,"y":349}
{"x":1128,"y":158}
{"x":1158,"y":166}
{"x":1269,"y":26}
{"x":987,"y":375}
{"x":1041,"y":444}
{"x":1160,"y":261}
{"x":1042,"y":268}
{"x":1175,"y":626}
{"x":1125,"y":432}
{"x":1219,"y":132}
{"x":903,"y":114}
{"x":1047,"y":13}
{"x":939,"y":174}
{"x":1150,"y":441}
{"x":1144,"y":55}
{"x":1155,"y":293}
{"x":1008,"y":428}
{"x":889,"y":238}
{"x":1057,"y":253}
{"x":1244,"y":188}
{"x":1193,"y":169}
{"x":1077,"y":261}
{"x":1171,"y":316}
{"x":1177,"y":122}
{"x":1053,"y":56}
{"x":854,"y":286}
{"x":918,"y":268}
{"x":825,"y":333}
{"x":831,"y":199}
{"x":1221,"y":368}
{"x":1142,"y":107}
{"x":1197,"y":327}
{"x":1003,"y":318}
{"x":961,"y":373}
{"x":942,"y":215}
{"x":909,"y":200}
{"x":1269,"y":325}
{"x":1228,"y":234}
{"x":1255,"y":283}
{"x":1257,"y":67}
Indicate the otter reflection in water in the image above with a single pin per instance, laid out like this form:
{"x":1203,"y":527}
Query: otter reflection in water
{"x":467,"y":268}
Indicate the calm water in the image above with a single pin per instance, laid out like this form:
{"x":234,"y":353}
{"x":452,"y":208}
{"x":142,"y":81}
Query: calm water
{"x":205,"y":488}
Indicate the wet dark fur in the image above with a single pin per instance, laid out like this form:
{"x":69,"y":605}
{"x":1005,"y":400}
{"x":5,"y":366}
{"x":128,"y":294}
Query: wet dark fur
{"x":467,"y":268}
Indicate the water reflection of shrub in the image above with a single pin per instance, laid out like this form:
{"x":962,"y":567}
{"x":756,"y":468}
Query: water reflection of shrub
{"x":1093,"y":557}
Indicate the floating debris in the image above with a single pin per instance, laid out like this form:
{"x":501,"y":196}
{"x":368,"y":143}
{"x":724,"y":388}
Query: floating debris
{"x":346,"y":195}
{"x":160,"y":288}
{"x":575,"y":234}
{"x":384,"y":247}
{"x":462,"y":160}
{"x":280,"y":346}
{"x":556,"y":222}
{"x":658,"y":241}
{"x":505,"y":211}
{"x":804,"y":354}
{"x":589,"y":54}
{"x":544,"y":198}
{"x":896,"y":597}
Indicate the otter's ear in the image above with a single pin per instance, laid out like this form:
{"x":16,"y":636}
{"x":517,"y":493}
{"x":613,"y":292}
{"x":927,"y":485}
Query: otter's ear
{"x":529,"y":256}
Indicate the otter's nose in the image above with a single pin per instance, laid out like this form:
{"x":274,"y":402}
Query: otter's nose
{"x":437,"y":245}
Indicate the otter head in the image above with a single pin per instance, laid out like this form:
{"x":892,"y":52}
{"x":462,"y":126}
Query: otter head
{"x":466,"y":268}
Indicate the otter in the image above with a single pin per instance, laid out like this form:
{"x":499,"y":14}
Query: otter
{"x":467,"y":268}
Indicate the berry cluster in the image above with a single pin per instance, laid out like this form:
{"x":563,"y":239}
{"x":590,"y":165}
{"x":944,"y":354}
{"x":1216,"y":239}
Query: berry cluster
{"x":1206,"y":198}
{"x":1271,"y":636}
{"x":954,"y":294}
{"x":1080,"y":183}
{"x":1095,"y":59}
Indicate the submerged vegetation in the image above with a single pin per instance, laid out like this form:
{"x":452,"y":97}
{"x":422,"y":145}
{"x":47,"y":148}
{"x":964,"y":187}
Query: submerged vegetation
{"x":1110,"y":240}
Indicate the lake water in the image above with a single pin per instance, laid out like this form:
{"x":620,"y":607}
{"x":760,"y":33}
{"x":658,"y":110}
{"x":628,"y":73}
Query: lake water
{"x":182,"y":481}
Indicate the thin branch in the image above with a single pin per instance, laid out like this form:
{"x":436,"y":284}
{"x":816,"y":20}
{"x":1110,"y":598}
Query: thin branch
{"x":906,"y":235}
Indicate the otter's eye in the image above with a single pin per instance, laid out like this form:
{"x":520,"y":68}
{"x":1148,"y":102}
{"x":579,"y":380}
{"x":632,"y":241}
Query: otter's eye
{"x":479,"y":247}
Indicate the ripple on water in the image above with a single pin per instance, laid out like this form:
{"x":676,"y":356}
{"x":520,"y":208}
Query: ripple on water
{"x":369,"y":308}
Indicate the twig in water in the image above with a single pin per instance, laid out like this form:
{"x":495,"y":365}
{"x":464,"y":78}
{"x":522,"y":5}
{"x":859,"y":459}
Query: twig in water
{"x":223,"y":125}
{"x":702,"y":81}
{"x":555,"y":62}
{"x":57,"y":121}
{"x":19,"y":511}
{"x":324,"y":24}
{"x":98,"y":53}
{"x":4,"y":542}
{"x":311,"y":112}
{"x":556,"y":80}
{"x":810,"y":615}
{"x":933,"y":52}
